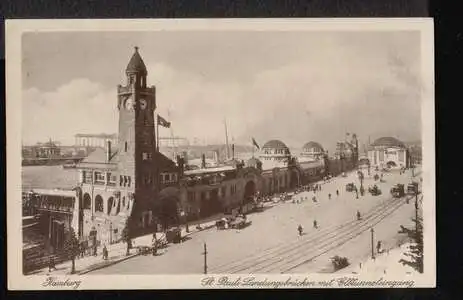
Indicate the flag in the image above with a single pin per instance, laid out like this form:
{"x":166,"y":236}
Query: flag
{"x":255,"y":143}
{"x":163,"y":122}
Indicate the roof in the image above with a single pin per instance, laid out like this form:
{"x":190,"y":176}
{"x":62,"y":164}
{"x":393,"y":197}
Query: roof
{"x":268,"y":165}
{"x":311,"y":145}
{"x":388,"y":142}
{"x":311,"y":164}
{"x":100,"y":135}
{"x":55,"y":192}
{"x":99,"y":156}
{"x":164,"y":162}
{"x":209,"y":170}
{"x":275,"y":144}
{"x":136,"y":63}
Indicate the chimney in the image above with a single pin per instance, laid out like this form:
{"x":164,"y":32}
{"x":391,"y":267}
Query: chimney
{"x":181,"y":164}
{"x":108,"y":150}
{"x":203,"y":161}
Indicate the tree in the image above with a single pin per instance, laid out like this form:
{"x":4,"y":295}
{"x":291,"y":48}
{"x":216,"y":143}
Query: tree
{"x":71,"y":248}
{"x":126,"y":235}
{"x":415,"y":252}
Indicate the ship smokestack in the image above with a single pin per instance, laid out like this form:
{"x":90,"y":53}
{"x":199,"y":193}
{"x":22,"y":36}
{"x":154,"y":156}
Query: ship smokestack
{"x":108,"y":150}
{"x":203,"y":161}
{"x":181,"y":164}
{"x":233,"y":151}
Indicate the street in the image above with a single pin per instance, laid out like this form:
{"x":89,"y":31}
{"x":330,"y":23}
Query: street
{"x":272,"y":244}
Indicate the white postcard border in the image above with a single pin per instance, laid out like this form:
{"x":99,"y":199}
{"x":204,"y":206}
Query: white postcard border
{"x":14,"y":31}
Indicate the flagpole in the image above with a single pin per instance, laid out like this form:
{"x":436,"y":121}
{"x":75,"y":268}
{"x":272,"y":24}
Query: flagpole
{"x":157,"y":130}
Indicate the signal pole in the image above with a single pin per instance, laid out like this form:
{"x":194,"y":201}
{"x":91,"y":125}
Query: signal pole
{"x":372,"y":243}
{"x":416,"y":213}
{"x":205,"y":258}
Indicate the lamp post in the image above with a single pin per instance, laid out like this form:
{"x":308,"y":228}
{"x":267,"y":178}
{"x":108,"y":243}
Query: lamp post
{"x":110,"y":232}
{"x":372,"y":243}
{"x":205,"y":258}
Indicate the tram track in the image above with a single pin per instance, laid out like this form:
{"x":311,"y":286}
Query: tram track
{"x":279,"y":256}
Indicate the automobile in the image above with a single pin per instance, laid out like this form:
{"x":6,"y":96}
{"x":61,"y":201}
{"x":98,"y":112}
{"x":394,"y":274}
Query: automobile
{"x":240,"y":222}
{"x":374,"y":190}
{"x":398,"y":191}
{"x":412,"y":188}
{"x":349,"y":187}
{"x":174,"y":235}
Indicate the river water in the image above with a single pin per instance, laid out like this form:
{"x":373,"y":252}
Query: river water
{"x":48,"y":177}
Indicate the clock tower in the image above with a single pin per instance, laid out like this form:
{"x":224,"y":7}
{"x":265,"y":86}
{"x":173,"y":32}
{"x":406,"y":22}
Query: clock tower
{"x":136,"y":150}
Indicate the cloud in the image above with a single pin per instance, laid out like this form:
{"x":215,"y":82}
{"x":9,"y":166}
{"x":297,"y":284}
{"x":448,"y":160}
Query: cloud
{"x":80,"y":106}
{"x":318,"y":96}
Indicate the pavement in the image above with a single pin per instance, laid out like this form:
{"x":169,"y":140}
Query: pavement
{"x":116,"y":254}
{"x":271,"y":244}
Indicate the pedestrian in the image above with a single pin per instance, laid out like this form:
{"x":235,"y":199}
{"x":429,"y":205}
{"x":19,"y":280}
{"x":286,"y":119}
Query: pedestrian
{"x":155,"y":244}
{"x":300,"y":229}
{"x":314,"y":199}
{"x":337,"y":192}
{"x":329,"y":196}
{"x":315,"y":224}
{"x":51,"y":264}
{"x":378,"y":247}
{"x":105,"y":252}
{"x":359,"y":217}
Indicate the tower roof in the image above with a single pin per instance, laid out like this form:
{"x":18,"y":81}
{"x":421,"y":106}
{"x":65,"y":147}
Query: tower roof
{"x":312,"y":145}
{"x":388,"y":142}
{"x":136,"y":63}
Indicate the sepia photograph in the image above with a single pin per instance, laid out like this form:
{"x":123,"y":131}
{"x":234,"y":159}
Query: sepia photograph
{"x":235,"y":151}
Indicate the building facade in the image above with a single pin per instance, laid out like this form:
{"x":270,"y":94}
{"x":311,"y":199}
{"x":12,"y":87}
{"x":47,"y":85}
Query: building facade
{"x":94,"y":140}
{"x":128,"y":180}
{"x":388,"y":152}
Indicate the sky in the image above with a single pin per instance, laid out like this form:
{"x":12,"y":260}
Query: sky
{"x":292,"y":86}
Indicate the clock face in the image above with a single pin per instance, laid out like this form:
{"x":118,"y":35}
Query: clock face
{"x":143,"y":104}
{"x":129,"y":103}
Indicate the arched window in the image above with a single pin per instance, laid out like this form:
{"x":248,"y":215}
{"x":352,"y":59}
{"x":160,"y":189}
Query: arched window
{"x":98,"y":203}
{"x":110,"y":204}
{"x":118,"y":207}
{"x":123,"y":201}
{"x":87,"y":201}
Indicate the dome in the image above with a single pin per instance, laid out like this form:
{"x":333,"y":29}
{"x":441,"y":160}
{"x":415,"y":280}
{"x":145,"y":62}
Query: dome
{"x":275,"y":144}
{"x":388,"y":142}
{"x":136,"y":63}
{"x":312,"y":145}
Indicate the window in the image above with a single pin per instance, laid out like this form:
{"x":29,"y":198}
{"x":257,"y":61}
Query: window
{"x":121,"y":180}
{"x":145,"y":156}
{"x":87,"y":176}
{"x":123,"y":201}
{"x":98,"y":203}
{"x":110,"y":204}
{"x":87,"y":201}
{"x":129,"y":181}
{"x":99,"y":177}
{"x":111,"y":179}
